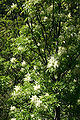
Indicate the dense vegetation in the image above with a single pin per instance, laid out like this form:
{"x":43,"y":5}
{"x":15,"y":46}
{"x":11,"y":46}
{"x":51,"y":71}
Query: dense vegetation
{"x":39,"y":60}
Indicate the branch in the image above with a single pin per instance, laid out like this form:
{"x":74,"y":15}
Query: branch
{"x":70,"y":67}
{"x":43,"y":61}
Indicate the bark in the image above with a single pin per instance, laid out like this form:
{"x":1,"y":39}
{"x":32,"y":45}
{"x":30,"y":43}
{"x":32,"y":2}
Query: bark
{"x":57,"y":113}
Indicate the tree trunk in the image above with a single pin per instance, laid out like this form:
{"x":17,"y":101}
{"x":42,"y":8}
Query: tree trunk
{"x":57,"y":113}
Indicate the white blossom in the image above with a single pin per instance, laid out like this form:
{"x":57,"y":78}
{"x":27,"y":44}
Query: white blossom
{"x":45,"y":18}
{"x":22,"y":69}
{"x":75,"y":80}
{"x":64,"y":42}
{"x":13,"y":60}
{"x":34,"y":98}
{"x":38,"y":44}
{"x":61,"y":50}
{"x":27,"y":77}
{"x":20,"y":48}
{"x":17,"y":88}
{"x":36,"y":87}
{"x":13,"y":118}
{"x":42,"y":50}
{"x":23,"y":63}
{"x":51,"y":6}
{"x":32,"y":115}
{"x":78,"y":101}
{"x":52,"y":62}
{"x":13,"y":5}
{"x":36,"y":101}
{"x":69,"y":15}
{"x":49,"y":65}
{"x":46,"y":94}
{"x":12,"y":108}
{"x":56,"y":64}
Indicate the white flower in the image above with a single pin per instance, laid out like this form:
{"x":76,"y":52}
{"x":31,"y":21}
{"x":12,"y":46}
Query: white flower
{"x":23,"y":63}
{"x":36,"y":101}
{"x":75,"y":80}
{"x":12,"y":108}
{"x":20,"y":48}
{"x":27,"y":77}
{"x":22,"y":69}
{"x":78,"y":101}
{"x":42,"y":50}
{"x":17,"y":88}
{"x":56,"y":64}
{"x":45,"y":18}
{"x":36,"y":87}
{"x":63,"y":41}
{"x":69,"y":15}
{"x":13,"y":5}
{"x":34,"y":98}
{"x":13,"y":118}
{"x":38,"y":44}
{"x":52,"y":62}
{"x":51,"y":6}
{"x":61,"y":50}
{"x":49,"y":65}
{"x":46,"y":94}
{"x":32,"y":115}
{"x":13,"y":60}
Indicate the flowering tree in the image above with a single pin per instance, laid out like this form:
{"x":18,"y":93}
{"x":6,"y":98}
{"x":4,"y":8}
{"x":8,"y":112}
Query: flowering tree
{"x":44,"y":66}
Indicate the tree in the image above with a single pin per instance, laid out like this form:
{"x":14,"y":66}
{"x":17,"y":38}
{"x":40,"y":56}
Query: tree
{"x":45,"y":62}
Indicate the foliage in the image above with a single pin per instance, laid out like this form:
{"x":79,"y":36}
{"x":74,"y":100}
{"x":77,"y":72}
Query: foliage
{"x":40,"y":62}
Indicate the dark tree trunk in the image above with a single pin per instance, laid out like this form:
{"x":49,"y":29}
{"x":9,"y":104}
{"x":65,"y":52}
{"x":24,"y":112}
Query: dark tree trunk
{"x":57,"y":113}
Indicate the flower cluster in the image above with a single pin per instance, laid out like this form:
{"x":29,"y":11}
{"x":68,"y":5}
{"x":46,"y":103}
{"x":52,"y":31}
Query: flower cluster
{"x":12,"y":108}
{"x":36,"y":101}
{"x":13,"y":5}
{"x":27,"y":77}
{"x":61,"y":50}
{"x":52,"y":62}
{"x":23,"y":63}
{"x":13,"y":60}
{"x":17,"y":88}
{"x":36,"y":87}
